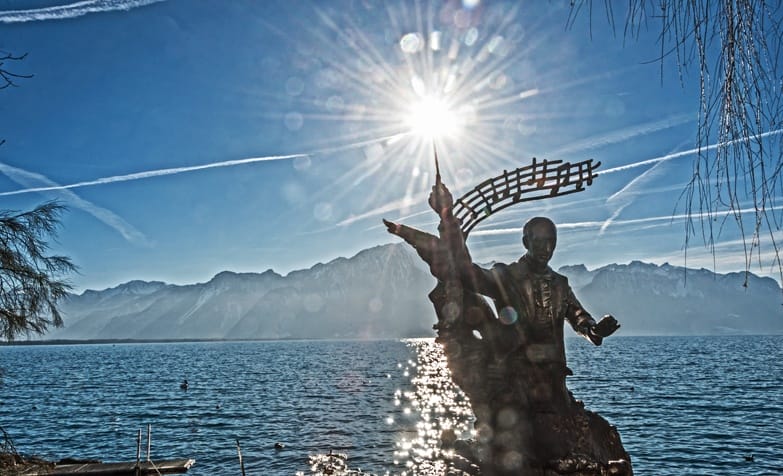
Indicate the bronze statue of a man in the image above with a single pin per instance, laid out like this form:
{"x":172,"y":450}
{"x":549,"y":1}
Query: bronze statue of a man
{"x":512,"y":363}
{"x":533,"y":301}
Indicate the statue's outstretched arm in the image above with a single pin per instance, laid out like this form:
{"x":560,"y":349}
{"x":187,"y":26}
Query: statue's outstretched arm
{"x":425,"y":244}
{"x":446,"y":254}
{"x":583,"y":323}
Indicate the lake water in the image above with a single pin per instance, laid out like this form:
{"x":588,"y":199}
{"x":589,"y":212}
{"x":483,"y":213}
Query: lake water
{"x":682,"y":405}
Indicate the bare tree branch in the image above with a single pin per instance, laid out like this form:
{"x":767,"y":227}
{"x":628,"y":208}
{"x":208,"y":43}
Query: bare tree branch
{"x":7,"y":78}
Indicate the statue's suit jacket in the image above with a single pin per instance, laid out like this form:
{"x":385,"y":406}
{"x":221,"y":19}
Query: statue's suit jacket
{"x":537,"y":326}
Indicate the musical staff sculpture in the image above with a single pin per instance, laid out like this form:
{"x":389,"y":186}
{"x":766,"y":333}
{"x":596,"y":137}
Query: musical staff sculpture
{"x":539,"y":180}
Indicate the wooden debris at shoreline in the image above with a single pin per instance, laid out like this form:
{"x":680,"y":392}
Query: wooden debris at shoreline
{"x":174,"y":466}
{"x":11,"y":462}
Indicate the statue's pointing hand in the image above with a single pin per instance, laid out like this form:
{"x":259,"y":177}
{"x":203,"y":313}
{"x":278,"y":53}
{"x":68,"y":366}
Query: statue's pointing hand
{"x":440,"y":198}
{"x":603,"y":328}
{"x":391,"y":227}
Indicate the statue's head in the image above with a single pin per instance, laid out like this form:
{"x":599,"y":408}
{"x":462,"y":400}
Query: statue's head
{"x":540,"y":237}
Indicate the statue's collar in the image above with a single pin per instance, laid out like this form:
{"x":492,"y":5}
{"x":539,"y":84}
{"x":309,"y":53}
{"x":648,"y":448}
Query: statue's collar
{"x":546,"y":273}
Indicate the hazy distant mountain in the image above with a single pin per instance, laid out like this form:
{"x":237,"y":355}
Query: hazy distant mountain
{"x":652,"y":299}
{"x":382,"y":292}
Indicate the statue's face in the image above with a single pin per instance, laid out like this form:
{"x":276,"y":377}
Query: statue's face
{"x":540,"y":242}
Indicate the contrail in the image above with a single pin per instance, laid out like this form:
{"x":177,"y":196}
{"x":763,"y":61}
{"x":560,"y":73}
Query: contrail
{"x":128,"y":231}
{"x":621,"y":199}
{"x":72,"y":10}
{"x":622,"y":135}
{"x":192,"y":168}
{"x":152,"y":173}
{"x":687,"y":152}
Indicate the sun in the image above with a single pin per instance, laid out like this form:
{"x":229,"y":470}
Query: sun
{"x":451,"y":87}
{"x":433,"y":118}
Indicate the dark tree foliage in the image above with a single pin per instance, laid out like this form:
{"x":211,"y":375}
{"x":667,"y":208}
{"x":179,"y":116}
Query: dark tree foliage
{"x":735,"y":47}
{"x":31,"y":281}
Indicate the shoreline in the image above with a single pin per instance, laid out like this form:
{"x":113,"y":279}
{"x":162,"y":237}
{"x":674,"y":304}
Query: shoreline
{"x":193,"y":340}
{"x":295,"y":339}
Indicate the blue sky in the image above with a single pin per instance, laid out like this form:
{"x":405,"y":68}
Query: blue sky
{"x":191,"y":137}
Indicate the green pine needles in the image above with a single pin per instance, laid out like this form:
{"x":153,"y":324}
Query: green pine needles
{"x":31,"y":281}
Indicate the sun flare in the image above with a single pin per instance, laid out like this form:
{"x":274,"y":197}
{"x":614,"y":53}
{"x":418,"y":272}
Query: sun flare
{"x":433,"y":118}
{"x":453,"y":87}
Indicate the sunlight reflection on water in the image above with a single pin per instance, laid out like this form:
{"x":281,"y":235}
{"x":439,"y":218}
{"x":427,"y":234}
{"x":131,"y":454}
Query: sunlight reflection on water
{"x":428,"y":407}
{"x":440,"y":407}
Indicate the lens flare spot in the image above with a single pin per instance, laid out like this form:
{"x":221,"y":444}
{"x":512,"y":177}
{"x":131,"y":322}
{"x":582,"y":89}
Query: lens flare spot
{"x":471,"y":36}
{"x":294,"y":121}
{"x":323,"y":211}
{"x":508,"y":315}
{"x":450,"y":311}
{"x":376,"y":304}
{"x":335,"y":104}
{"x":435,"y":38}
{"x":511,"y":461}
{"x":507,"y":417}
{"x":464,"y":175}
{"x":373,"y":152}
{"x":462,"y":19}
{"x":302,"y":163}
{"x":294,"y":86}
{"x":411,"y":43}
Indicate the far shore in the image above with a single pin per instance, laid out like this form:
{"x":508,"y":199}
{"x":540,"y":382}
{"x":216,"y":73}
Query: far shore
{"x":130,"y":341}
{"x":197,"y":340}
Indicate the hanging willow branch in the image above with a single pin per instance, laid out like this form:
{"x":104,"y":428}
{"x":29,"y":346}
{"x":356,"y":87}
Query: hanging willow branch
{"x":738,"y":172}
{"x":31,"y":281}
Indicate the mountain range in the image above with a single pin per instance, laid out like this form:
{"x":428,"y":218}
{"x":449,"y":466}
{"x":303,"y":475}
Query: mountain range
{"x":382,"y":293}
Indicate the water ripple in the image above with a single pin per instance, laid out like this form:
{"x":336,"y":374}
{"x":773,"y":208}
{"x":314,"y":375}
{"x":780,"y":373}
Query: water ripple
{"x":682,"y":405}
